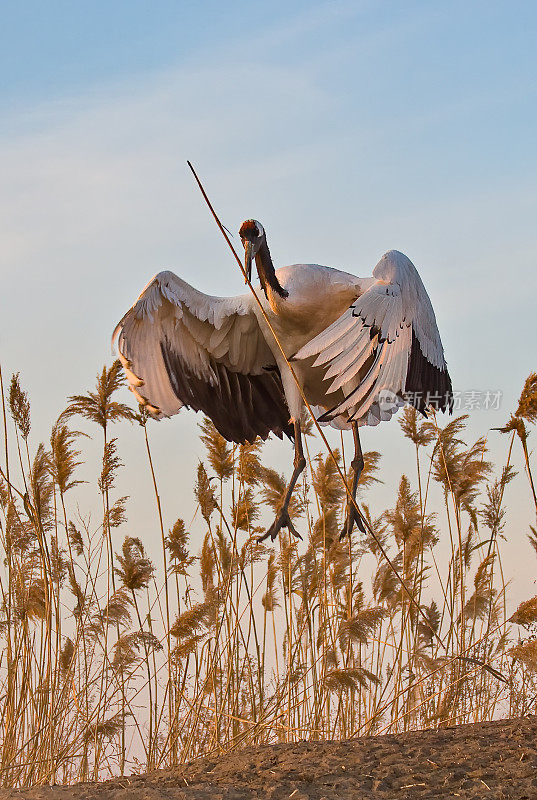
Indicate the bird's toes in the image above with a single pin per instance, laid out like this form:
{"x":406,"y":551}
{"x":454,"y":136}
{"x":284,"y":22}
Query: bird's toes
{"x":265,"y":536}
{"x":346,"y":529}
{"x":271,"y":532}
{"x":283,"y":520}
{"x":360,"y":522}
{"x":352,"y":517}
{"x":291,"y":528}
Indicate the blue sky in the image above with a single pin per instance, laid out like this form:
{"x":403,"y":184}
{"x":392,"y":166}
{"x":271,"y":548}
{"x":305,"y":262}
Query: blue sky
{"x":347,"y":128}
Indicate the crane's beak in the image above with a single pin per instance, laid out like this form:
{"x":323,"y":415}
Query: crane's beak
{"x":248,"y":255}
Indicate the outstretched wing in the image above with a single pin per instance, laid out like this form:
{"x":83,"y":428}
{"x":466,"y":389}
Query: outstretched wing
{"x":180,"y":347}
{"x":384,"y":351}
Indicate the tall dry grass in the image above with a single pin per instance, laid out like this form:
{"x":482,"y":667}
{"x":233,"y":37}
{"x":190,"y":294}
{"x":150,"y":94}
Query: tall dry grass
{"x":112,"y":663}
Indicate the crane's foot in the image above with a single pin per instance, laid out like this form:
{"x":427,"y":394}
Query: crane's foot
{"x":352,"y":518}
{"x":283,"y":520}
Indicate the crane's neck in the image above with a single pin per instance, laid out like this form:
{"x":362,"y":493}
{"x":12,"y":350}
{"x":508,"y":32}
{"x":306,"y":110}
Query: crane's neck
{"x":267,"y":273}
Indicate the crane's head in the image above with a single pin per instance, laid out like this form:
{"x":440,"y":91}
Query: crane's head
{"x":252,"y":236}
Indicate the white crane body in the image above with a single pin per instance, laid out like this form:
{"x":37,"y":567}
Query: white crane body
{"x":359,"y":347}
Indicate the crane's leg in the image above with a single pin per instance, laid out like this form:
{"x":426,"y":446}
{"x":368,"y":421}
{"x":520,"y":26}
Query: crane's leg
{"x":283,"y":519}
{"x":357,"y":465}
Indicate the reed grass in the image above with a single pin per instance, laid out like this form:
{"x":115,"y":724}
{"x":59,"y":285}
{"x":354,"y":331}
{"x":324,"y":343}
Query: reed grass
{"x":112,"y":663}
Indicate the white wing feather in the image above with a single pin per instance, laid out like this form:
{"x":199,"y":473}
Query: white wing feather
{"x":396,"y":307}
{"x":198,"y":327}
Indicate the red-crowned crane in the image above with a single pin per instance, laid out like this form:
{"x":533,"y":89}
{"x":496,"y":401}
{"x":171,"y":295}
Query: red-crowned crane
{"x":360,"y":348}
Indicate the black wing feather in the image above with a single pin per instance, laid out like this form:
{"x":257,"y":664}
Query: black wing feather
{"x":241,"y":406}
{"x":426,"y":384}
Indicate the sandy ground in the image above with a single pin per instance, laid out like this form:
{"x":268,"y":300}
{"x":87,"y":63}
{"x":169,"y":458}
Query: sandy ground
{"x":488,"y":760}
